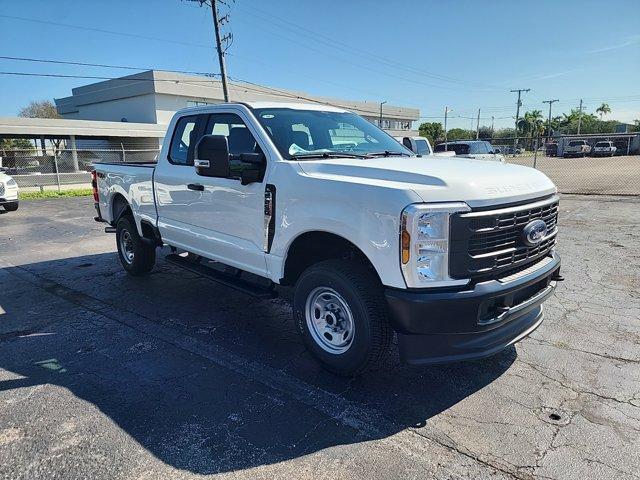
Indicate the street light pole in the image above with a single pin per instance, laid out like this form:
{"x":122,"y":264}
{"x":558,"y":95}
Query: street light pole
{"x":518,"y":105}
{"x":580,"y":117}
{"x":381,"y":104}
{"x":550,"y":102}
{"x":478,"y":126}
{"x":446,"y":112}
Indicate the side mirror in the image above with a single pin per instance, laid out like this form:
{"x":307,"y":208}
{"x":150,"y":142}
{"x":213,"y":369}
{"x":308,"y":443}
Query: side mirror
{"x":253,"y":170}
{"x":252,"y":158}
{"x":212,"y":156}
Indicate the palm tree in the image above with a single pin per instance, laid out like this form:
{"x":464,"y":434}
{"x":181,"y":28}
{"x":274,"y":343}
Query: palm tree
{"x":603,"y":110}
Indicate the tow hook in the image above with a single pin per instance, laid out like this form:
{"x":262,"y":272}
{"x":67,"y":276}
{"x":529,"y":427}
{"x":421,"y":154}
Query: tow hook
{"x":557,"y":277}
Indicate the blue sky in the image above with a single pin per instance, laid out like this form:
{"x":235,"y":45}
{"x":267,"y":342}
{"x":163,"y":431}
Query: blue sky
{"x":426,"y":54}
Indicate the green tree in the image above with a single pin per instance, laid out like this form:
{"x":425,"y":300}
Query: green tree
{"x":460,"y":134}
{"x":39,"y":109}
{"x":532,"y":123}
{"x":15,"y":144}
{"x":485,"y":133}
{"x":636,"y":128}
{"x":432,"y":130}
{"x":603,"y":110}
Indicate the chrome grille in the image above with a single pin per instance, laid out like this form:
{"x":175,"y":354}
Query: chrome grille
{"x":497,"y":232}
{"x":485,"y":243}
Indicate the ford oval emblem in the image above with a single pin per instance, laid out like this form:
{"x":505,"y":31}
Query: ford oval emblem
{"x":534,"y":232}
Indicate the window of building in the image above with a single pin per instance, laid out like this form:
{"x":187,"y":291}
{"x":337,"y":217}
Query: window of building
{"x":196,"y":103}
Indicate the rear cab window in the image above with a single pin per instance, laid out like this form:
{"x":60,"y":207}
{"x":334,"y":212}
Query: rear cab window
{"x":423,"y":147}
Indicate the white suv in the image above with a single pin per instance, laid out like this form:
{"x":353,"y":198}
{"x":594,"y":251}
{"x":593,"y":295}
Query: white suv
{"x":577,"y":148}
{"x":604,"y":149}
{"x":8,"y":192}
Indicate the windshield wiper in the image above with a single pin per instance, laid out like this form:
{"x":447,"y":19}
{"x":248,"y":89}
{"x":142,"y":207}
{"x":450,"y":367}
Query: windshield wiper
{"x":388,"y":153}
{"x":304,"y":156}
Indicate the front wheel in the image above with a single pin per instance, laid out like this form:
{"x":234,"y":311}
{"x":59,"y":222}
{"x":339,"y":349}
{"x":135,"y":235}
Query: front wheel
{"x":341,"y":314}
{"x":136,"y":256}
{"x":11,"y":207}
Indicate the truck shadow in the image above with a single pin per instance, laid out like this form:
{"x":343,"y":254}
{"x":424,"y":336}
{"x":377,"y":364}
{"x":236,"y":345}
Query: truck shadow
{"x":233,"y":390}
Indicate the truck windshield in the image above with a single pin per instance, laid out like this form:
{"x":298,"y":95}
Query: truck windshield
{"x":304,"y":133}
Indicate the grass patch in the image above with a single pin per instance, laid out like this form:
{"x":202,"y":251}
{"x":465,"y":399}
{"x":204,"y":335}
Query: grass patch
{"x":78,"y":192}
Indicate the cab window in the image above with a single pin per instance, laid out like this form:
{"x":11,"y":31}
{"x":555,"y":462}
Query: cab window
{"x":239,"y":137}
{"x":182,"y":142}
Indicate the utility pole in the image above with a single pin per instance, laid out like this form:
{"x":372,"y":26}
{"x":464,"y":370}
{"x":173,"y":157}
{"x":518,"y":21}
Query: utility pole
{"x":446,"y":112}
{"x":381,"y":104}
{"x":478,"y":126}
{"x":223,"y":70}
{"x":518,"y":105}
{"x":579,"y":116}
{"x":550,"y":102}
{"x":492,"y":120}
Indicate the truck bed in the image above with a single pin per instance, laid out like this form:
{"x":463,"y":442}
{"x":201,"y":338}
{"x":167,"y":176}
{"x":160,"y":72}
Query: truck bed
{"x":131,"y":182}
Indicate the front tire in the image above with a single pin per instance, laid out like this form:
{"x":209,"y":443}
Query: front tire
{"x":341,"y":314}
{"x":11,"y":207}
{"x":136,"y":256}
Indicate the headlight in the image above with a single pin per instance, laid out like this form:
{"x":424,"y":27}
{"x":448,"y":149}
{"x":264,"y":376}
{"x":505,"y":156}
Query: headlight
{"x":424,"y":244}
{"x":11,"y":183}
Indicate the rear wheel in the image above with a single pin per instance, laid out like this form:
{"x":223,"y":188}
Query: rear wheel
{"x":136,"y":256}
{"x":11,"y":207}
{"x":341,"y":314}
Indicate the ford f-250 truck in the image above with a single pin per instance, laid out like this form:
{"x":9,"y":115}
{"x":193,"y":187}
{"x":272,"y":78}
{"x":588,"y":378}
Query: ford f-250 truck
{"x":456,"y":256}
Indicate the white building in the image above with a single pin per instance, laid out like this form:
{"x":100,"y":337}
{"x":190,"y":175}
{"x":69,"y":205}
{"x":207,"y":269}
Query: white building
{"x":154,"y":96}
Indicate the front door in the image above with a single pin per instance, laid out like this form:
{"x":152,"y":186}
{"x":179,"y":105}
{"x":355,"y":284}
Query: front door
{"x":220,"y":218}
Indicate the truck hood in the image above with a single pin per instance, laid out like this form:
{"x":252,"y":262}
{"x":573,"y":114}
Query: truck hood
{"x":439,"y":179}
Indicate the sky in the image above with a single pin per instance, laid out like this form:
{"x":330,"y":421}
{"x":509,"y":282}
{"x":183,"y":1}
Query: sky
{"x":464,"y":55}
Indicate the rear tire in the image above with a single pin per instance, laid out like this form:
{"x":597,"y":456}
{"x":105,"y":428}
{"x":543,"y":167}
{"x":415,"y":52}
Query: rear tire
{"x":11,"y":207}
{"x":341,"y":314}
{"x":136,"y":256}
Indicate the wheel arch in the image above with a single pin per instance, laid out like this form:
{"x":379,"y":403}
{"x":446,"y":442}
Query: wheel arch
{"x":314,"y":246}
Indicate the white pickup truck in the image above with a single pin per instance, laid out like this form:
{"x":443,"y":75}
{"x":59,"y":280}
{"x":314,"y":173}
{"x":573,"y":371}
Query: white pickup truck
{"x":455,"y":256}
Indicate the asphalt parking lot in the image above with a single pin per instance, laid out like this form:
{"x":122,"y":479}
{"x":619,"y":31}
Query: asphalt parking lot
{"x":105,"y":376}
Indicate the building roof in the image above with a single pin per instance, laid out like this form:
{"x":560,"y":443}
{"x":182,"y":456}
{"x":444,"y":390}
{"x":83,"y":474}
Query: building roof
{"x":11,"y":127}
{"x":204,"y":89}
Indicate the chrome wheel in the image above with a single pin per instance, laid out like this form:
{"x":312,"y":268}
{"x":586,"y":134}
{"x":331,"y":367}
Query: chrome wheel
{"x":126,"y":246}
{"x":329,"y":320}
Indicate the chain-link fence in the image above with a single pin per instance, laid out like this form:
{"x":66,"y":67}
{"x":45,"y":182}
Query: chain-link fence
{"x":578,"y":168}
{"x":64,"y":168}
{"x":589,"y":164}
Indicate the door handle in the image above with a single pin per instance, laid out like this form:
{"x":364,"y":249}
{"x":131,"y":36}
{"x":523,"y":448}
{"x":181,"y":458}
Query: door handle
{"x":195,"y":186}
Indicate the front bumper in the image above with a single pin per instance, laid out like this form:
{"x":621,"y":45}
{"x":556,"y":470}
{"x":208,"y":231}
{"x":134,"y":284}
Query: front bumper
{"x":10,"y":195}
{"x":480,"y":320}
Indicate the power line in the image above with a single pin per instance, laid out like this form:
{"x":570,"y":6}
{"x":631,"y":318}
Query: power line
{"x":326,"y":40}
{"x":102,"y":65}
{"x":334,"y":57}
{"x":103,"y":30}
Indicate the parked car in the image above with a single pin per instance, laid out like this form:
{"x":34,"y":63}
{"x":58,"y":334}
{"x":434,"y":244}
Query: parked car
{"x":510,"y":150}
{"x":476,"y":149}
{"x":551,"y":150}
{"x":255,"y":195}
{"x":577,"y":148}
{"x":419,"y":145}
{"x":8,"y":192}
{"x":604,"y":149}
